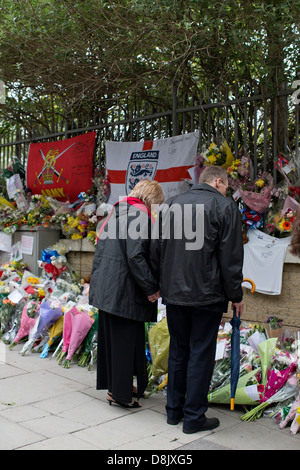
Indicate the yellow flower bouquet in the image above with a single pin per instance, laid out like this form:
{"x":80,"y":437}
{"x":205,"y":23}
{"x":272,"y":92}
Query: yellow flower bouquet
{"x":219,"y":156}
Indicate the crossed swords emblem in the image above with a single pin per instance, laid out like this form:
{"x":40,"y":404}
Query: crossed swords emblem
{"x":47,"y":159}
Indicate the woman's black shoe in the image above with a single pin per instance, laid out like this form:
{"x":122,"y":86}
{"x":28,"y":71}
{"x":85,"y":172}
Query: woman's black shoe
{"x":134,"y":404}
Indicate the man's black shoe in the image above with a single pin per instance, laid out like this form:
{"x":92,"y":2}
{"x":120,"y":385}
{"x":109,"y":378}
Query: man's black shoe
{"x":173,"y":421}
{"x":210,"y":423}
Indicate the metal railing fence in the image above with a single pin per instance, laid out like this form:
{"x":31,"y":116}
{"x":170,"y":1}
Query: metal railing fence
{"x":263,"y":123}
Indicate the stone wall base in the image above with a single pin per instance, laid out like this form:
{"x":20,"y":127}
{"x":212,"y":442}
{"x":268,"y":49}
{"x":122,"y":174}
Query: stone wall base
{"x":258,"y":307}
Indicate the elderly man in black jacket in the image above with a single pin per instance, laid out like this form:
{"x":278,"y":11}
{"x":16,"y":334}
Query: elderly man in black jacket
{"x":197,"y":253}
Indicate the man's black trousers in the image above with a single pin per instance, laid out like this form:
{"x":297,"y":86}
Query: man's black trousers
{"x":193,"y":336}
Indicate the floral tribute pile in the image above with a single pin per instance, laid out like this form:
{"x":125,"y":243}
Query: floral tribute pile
{"x":49,"y":312}
{"x":77,"y":220}
{"x":269,"y":378}
{"x":269,"y":374}
{"x":263,"y":205}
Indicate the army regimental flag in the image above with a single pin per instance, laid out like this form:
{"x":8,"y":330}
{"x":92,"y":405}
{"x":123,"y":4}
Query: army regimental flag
{"x":61,"y":169}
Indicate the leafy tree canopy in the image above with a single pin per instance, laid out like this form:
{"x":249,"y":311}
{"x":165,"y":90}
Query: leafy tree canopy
{"x":60,"y":58}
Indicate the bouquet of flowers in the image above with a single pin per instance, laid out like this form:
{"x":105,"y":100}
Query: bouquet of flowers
{"x":256,"y":194}
{"x":293,"y":415}
{"x":28,"y":319}
{"x":282,"y":366}
{"x":6,"y":312}
{"x":76,"y":227}
{"x":11,"y":219}
{"x":274,"y":323}
{"x":234,"y":168}
{"x":199,"y":167}
{"x":39,"y":211}
{"x":87,"y":344}
{"x":287,"y":391}
{"x":49,"y":313}
{"x":289,"y":167}
{"x":219,"y":156}
{"x":101,"y":186}
{"x":284,"y":220}
{"x":239,"y":170}
{"x":55,"y":333}
{"x":76,"y":326}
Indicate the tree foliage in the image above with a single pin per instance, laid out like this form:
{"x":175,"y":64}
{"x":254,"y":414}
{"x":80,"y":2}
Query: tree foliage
{"x":62,"y":58}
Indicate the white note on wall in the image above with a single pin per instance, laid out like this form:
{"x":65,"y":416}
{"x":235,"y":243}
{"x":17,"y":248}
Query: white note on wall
{"x":26,"y":245}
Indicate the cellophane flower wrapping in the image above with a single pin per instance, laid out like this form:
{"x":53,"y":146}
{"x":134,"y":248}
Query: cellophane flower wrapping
{"x":159,"y":341}
{"x":248,"y":387}
{"x":218,"y":156}
{"x":9,"y":336}
{"x":7,"y":309}
{"x":67,"y":329}
{"x":281,"y":368}
{"x":28,"y":319}
{"x":287,"y":391}
{"x":81,"y":323}
{"x":88,"y":341}
{"x":292,"y":416}
{"x":258,"y":196}
{"x":49,"y":313}
{"x":55,"y":332}
{"x":264,"y":371}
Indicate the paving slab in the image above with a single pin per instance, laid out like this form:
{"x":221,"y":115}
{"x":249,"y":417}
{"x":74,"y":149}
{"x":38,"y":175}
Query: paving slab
{"x":14,"y":436}
{"x":69,"y":442}
{"x":46,"y":407}
{"x":245,"y":436}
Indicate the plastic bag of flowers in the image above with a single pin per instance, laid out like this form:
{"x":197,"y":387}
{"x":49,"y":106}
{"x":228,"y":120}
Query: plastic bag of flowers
{"x":278,"y":377}
{"x":159,"y":342}
{"x":247,"y":392}
{"x":50,"y":311}
{"x":219,"y":156}
{"x":257,"y":194}
{"x":29,"y":317}
{"x":79,"y":324}
{"x":85,"y":356}
{"x":292,"y":416}
{"x":55,"y":333}
{"x":9,"y":336}
{"x":65,"y":290}
{"x":288,"y":390}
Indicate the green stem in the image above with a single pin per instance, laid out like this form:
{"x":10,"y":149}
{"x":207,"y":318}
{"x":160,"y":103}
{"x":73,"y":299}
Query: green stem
{"x":83,"y":359}
{"x":66,"y":364}
{"x":60,"y":357}
{"x":255,"y":413}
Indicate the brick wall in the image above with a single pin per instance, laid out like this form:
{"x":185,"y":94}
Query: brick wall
{"x":81,"y":261}
{"x":259,"y":307}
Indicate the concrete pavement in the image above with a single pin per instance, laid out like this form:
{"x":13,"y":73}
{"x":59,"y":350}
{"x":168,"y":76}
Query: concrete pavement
{"x":46,"y":407}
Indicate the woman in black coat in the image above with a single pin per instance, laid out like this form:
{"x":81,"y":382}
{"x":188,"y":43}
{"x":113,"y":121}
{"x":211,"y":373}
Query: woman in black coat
{"x":125,"y":291}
